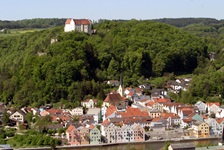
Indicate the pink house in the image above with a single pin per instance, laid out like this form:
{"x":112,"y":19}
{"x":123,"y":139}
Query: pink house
{"x":73,"y":135}
{"x":139,"y":133}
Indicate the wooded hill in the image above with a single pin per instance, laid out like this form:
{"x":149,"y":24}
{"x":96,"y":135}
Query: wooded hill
{"x":35,"y":72}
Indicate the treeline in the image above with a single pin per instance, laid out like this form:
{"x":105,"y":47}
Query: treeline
{"x":32,"y":23}
{"x":182,"y":22}
{"x":75,"y":67}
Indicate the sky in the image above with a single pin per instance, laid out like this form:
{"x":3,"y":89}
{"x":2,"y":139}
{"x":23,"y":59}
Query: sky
{"x":111,"y":9}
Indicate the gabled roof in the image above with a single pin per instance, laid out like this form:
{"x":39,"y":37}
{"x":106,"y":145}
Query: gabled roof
{"x":82,"y":21}
{"x":111,"y":109}
{"x":187,"y":120}
{"x":53,"y":111}
{"x":212,"y":103}
{"x":114,"y":97}
{"x":150,"y":103}
{"x":219,"y":120}
{"x":87,"y":100}
{"x":187,"y":111}
{"x":91,"y":126}
{"x":161,"y":100}
{"x":106,"y":122}
{"x":68,"y":21}
{"x":171,"y":115}
{"x":131,"y":112}
{"x":70,"y":128}
{"x":158,"y":119}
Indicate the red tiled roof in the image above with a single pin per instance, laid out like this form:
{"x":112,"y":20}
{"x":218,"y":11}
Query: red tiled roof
{"x":131,"y":112}
{"x":115,"y":97}
{"x":211,"y":103}
{"x":219,"y":120}
{"x":91,"y":126}
{"x":161,"y":100}
{"x":150,"y":103}
{"x":171,"y":115}
{"x":82,"y":21}
{"x":53,"y":111}
{"x":187,"y":111}
{"x":131,"y":93}
{"x":187,"y":120}
{"x":68,"y":21}
{"x":105,"y":122}
{"x":70,"y":128}
{"x":111,"y":109}
{"x":156,"y":119}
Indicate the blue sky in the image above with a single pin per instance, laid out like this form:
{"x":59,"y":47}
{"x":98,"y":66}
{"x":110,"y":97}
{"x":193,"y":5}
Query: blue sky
{"x":110,"y":9}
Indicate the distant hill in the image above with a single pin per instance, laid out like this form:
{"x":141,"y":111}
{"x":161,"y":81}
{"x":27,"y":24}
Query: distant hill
{"x":32,"y":23}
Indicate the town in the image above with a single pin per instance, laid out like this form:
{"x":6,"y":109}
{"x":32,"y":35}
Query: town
{"x":128,"y":115}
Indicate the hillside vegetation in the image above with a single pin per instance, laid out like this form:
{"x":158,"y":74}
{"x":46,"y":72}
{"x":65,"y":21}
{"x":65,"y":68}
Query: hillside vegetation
{"x":76,"y":65}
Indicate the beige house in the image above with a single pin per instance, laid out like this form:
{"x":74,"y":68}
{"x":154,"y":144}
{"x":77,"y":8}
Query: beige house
{"x":201,"y":130}
{"x":155,"y":113}
{"x":89,"y":103}
{"x":18,"y":116}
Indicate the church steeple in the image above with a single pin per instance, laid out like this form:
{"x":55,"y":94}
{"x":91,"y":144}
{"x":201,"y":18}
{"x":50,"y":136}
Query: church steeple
{"x":121,"y":87}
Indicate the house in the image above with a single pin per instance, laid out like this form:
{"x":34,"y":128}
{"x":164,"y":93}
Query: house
{"x":186,"y":123}
{"x":213,"y":107}
{"x":195,"y":116}
{"x":128,"y":133}
{"x":110,"y":133}
{"x":51,"y":112}
{"x":73,"y":135}
{"x":158,"y":93}
{"x":201,"y":106}
{"x":84,"y":135}
{"x":214,"y":125}
{"x":95,"y":112}
{"x":89,"y":103}
{"x":76,"y":111}
{"x":80,"y":25}
{"x":158,"y":124}
{"x":133,"y":112}
{"x":171,"y":118}
{"x":200,"y":129}
{"x":18,"y":116}
{"x":181,"y":146}
{"x":113,"y":82}
{"x":184,"y":112}
{"x":115,"y":99}
{"x":139,"y":133}
{"x":154,"y":113}
{"x":94,"y":135}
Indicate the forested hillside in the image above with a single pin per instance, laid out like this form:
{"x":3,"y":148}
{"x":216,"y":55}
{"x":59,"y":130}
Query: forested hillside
{"x":76,"y":65}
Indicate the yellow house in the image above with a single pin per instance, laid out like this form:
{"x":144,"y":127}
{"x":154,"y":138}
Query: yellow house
{"x":200,"y":129}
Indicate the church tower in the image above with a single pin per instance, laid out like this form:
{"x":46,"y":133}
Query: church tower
{"x":121,"y":87}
